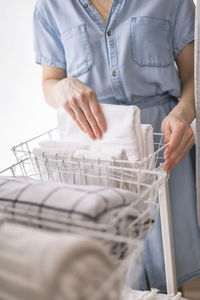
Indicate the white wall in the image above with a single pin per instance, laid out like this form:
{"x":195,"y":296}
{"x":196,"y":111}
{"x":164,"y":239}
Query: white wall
{"x":23,"y":111}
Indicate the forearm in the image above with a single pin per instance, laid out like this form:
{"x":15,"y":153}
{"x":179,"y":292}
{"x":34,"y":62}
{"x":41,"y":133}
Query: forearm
{"x":185,"y":109}
{"x":49,"y":90}
{"x":51,"y":78}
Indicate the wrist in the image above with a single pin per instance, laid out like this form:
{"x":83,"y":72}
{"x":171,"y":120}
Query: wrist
{"x":185,"y":113}
{"x":59,"y":93}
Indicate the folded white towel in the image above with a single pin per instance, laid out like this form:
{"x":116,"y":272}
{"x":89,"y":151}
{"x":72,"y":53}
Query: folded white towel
{"x":99,"y":173}
{"x":59,"y":163}
{"x":147,"y":132}
{"x":148,"y":141}
{"x":123,"y":129}
{"x":58,"y":148}
{"x":39,"y":265}
{"x":105,"y":153}
{"x":46,"y":163}
{"x":124,"y":140}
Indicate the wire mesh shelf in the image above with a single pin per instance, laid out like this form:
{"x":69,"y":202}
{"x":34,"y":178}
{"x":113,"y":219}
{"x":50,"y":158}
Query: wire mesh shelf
{"x":144,"y":179}
{"x":73,"y":170}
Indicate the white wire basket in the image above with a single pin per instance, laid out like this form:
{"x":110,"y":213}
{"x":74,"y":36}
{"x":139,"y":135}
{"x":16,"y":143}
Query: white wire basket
{"x":123,"y":248}
{"x":147,"y":179}
{"x":67,"y":168}
{"x":122,"y":174}
{"x":145,"y":203}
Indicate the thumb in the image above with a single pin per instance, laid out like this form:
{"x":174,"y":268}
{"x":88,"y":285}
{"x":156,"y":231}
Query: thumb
{"x":166,"y":130}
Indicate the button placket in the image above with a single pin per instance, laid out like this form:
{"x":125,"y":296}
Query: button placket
{"x":85,"y":5}
{"x":108,"y":30}
{"x":114,"y":69}
{"x":114,"y":73}
{"x":116,"y":81}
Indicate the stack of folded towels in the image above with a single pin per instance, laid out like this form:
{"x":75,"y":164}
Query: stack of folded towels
{"x":126,"y":139}
{"x":124,"y":133}
{"x":41,"y":265}
{"x":110,"y":210}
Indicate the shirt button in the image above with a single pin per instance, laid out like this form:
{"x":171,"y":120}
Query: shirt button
{"x":108,"y":33}
{"x":85,"y":5}
{"x":114,"y":73}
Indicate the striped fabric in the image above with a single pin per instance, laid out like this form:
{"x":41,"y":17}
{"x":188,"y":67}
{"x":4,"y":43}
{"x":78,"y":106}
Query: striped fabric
{"x":58,"y":205}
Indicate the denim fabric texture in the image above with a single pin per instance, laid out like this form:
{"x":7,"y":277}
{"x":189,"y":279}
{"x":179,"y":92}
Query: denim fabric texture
{"x":129,"y":58}
{"x":159,"y":52}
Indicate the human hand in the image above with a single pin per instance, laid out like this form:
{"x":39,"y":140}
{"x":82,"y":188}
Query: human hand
{"x":180,"y":137}
{"x":81,"y":103}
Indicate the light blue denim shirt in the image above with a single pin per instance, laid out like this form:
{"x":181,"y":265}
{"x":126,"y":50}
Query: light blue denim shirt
{"x":129,"y":58}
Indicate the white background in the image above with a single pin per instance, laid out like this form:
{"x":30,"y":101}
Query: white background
{"x":23,"y":111}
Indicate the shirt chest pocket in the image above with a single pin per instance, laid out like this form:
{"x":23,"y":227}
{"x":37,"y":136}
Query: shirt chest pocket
{"x":78,"y":51}
{"x":150,"y":41}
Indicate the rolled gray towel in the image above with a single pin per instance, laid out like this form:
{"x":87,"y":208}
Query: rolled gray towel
{"x":54,"y":205}
{"x":39,"y":265}
{"x":120,"y":211}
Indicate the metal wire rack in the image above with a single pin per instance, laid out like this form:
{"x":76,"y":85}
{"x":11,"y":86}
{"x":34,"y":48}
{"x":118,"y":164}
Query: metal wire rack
{"x":130,"y":246}
{"x":69,"y":169}
{"x":146,"y":178}
{"x":145,"y":204}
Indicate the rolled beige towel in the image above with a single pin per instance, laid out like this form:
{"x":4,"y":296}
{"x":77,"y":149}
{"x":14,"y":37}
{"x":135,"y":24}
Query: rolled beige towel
{"x":39,"y":265}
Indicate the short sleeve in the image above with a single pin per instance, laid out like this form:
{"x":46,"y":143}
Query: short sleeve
{"x":183,"y":25}
{"x":47,"y":44}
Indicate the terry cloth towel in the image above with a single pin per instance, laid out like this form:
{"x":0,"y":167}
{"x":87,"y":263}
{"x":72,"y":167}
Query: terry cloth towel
{"x":62,"y":163}
{"x":48,"y":159}
{"x":127,"y":133}
{"x":106,"y":166}
{"x":60,"y":147}
{"x":149,"y":157}
{"x":39,"y":265}
{"x":128,"y":294}
{"x":147,"y":133}
{"x":97,"y":172}
{"x":113,"y":210}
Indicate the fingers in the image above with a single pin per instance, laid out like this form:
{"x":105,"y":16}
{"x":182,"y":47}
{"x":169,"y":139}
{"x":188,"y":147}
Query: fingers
{"x":168,"y":167}
{"x":97,"y":112}
{"x":175,"y":138}
{"x":82,"y":105}
{"x":180,"y":151}
{"x":91,"y":117}
{"x":80,"y":116}
{"x":166,"y":130}
{"x":182,"y":155}
{"x":73,"y":116}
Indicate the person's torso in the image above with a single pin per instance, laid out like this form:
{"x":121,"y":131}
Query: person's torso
{"x":129,"y":57}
